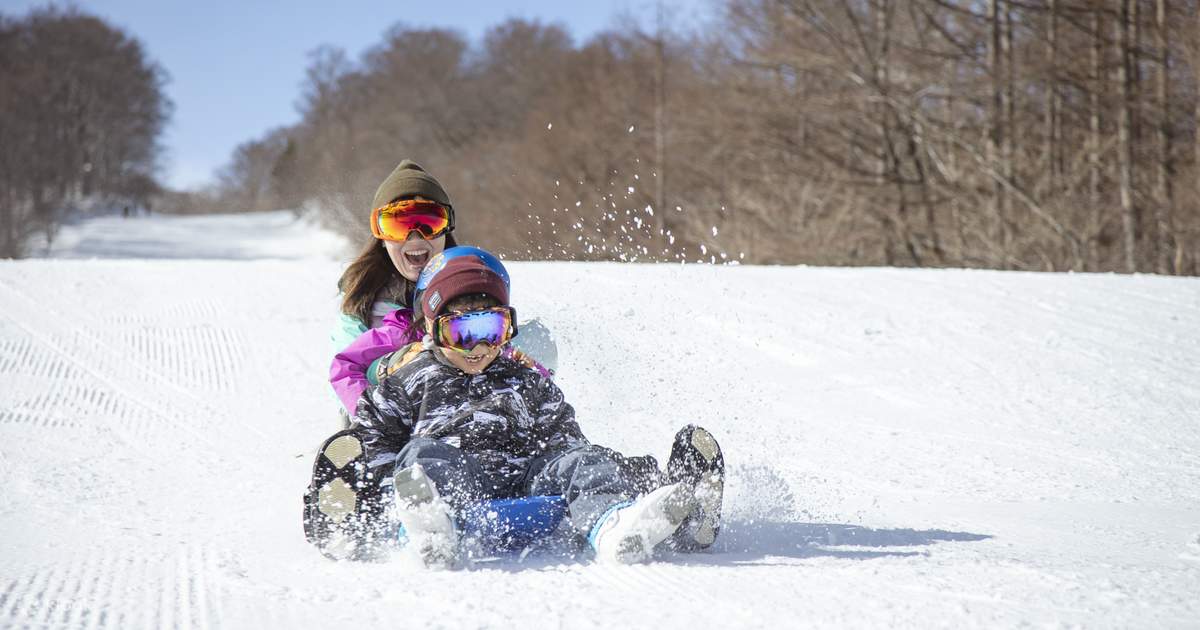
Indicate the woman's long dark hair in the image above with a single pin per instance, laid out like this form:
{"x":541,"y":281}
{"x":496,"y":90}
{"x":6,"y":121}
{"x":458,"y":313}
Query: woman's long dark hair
{"x":371,"y":272}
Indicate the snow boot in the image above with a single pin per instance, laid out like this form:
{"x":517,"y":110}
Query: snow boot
{"x":427,"y":525}
{"x":696,"y":461}
{"x":629,"y":531}
{"x":343,"y":510}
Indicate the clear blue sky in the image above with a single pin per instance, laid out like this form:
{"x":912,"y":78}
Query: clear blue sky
{"x":236,"y":65}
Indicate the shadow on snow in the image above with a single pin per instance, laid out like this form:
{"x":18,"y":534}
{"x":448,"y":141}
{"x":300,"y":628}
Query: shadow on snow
{"x":750,"y":542}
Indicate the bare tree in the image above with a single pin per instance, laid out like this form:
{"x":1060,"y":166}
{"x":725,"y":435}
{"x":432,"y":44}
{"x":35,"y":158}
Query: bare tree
{"x":1123,"y":26}
{"x":81,"y":111}
{"x":1164,"y":250}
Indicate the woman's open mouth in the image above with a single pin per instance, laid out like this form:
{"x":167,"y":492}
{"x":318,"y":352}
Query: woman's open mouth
{"x":417,"y":259}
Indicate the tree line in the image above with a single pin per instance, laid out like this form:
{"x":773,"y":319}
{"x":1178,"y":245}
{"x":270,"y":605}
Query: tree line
{"x":81,"y":111}
{"x":1013,"y":134}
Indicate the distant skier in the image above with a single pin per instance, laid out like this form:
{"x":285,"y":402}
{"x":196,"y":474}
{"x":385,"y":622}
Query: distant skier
{"x":456,"y":420}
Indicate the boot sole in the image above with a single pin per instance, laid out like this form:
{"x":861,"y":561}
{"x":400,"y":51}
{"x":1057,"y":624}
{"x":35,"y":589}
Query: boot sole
{"x":340,"y":518}
{"x":708,"y":482}
{"x":337,"y":499}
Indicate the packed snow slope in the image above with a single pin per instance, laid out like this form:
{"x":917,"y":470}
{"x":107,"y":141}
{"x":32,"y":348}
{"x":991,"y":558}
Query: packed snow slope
{"x":907,"y":448}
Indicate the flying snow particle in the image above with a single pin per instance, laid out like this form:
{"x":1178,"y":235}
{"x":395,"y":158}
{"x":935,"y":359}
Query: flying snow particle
{"x":703,"y":249}
{"x":630,"y":128}
{"x":650,"y":210}
{"x":714,"y":228}
{"x":549,"y":126}
{"x":629,"y":190}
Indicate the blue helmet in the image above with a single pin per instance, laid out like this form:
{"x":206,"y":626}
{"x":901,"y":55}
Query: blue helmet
{"x":438,"y":262}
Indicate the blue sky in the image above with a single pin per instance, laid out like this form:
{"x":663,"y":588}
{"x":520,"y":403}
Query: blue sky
{"x":236,"y":66}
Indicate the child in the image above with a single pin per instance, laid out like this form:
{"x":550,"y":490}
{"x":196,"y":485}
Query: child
{"x":456,"y":421}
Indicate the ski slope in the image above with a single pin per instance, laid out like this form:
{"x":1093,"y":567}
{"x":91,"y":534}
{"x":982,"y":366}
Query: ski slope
{"x":907,"y":448}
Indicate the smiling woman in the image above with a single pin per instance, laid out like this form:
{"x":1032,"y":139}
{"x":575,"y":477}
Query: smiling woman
{"x":411,"y":220}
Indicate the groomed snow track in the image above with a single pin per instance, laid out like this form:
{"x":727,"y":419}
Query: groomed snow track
{"x":907,"y":448}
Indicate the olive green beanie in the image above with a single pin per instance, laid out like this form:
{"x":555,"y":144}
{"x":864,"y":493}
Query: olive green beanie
{"x":409,"y":180}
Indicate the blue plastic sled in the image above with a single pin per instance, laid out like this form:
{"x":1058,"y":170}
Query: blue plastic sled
{"x":505,"y":525}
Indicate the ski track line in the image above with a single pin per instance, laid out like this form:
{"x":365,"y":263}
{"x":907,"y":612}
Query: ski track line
{"x":639,"y":580}
{"x":211,"y":565}
{"x":27,"y":604}
{"x":25,"y":584}
{"x":7,"y":596}
{"x":53,"y":348}
{"x":98,"y":592}
{"x":107,"y":352}
{"x":164,"y":586}
{"x":193,"y":586}
{"x":14,"y":353}
{"x":56,"y":600}
{"x":183,"y":582}
{"x":169,"y":410}
{"x":657,"y":582}
{"x":66,"y":601}
{"x":123,"y":584}
{"x":16,"y":595}
{"x":40,"y":408}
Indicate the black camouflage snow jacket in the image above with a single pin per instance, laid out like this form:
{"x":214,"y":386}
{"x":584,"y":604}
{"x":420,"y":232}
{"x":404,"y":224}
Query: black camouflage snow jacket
{"x":506,"y":417}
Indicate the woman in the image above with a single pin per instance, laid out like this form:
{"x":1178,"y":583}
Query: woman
{"x":411,"y":221}
{"x":383,"y":276}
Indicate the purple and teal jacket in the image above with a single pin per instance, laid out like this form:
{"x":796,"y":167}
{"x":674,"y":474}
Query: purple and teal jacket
{"x":356,"y":366}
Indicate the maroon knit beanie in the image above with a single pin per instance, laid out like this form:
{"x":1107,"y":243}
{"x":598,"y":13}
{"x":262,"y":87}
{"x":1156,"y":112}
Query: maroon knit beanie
{"x":465,"y":275}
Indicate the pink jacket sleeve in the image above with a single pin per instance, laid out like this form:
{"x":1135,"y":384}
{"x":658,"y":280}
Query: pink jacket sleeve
{"x":348,"y":372}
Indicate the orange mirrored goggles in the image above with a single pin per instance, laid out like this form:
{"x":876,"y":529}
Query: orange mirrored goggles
{"x":395,"y":221}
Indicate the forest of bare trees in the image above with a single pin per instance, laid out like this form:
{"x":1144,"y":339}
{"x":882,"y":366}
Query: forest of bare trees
{"x":1031,"y":134}
{"x":81,"y":111}
{"x":1013,"y":134}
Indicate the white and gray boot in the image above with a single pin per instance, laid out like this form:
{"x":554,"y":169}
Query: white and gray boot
{"x":427,"y":527}
{"x":628,"y":532}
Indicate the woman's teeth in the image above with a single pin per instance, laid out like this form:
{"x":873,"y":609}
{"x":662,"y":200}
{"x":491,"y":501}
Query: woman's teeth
{"x":417,"y":259}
